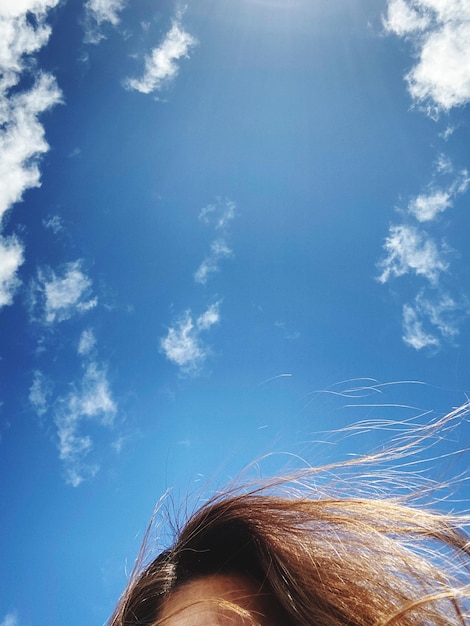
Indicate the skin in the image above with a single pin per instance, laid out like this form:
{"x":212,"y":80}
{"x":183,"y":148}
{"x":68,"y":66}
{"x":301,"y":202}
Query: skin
{"x":228,"y":600}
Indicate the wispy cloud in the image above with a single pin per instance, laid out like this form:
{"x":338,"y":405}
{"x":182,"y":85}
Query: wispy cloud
{"x":40,"y":393}
{"x":427,"y":206}
{"x":98,"y":13}
{"x":23,"y":32}
{"x":440,"y":32}
{"x":90,"y":400}
{"x":404,"y":18}
{"x":219,"y":216}
{"x":10,"y":619}
{"x":183,"y":344}
{"x":86,"y":342}
{"x":410,"y":250}
{"x":161,"y":67}
{"x":22,"y":139}
{"x":413,"y":331}
{"x":11,"y":258}
{"x":64,"y":294}
{"x":288,"y":334}
{"x":77,"y":408}
{"x":428,"y":320}
{"x":54,"y":223}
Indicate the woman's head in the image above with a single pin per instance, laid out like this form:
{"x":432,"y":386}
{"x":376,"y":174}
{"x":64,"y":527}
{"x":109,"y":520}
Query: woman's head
{"x":276,"y":555}
{"x":311,"y":561}
{"x":220,"y":599}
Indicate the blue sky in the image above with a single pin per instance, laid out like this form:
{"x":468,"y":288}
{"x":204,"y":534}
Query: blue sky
{"x":226,"y":229}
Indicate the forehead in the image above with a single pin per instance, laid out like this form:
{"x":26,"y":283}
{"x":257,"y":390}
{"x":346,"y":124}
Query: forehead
{"x":218,"y":601}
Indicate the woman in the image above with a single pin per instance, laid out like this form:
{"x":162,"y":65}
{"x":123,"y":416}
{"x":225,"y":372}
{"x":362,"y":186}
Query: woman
{"x":254,"y":556}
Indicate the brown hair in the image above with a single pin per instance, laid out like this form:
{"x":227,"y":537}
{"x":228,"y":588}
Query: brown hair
{"x":327,"y":560}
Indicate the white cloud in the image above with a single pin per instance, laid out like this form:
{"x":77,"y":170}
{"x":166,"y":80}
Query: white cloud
{"x":86,"y":342}
{"x":219,"y":250}
{"x":218,"y":215}
{"x":441,"y":313}
{"x":54,"y":223}
{"x":450,"y":130}
{"x":19,"y":37}
{"x":409,"y":250}
{"x":91,"y":400}
{"x":183,"y":345}
{"x":65,"y":294}
{"x":402,"y":18}
{"x":11,"y":257}
{"x":105,"y":10}
{"x":444,"y":164}
{"x":427,"y":206}
{"x":161,"y":67}
{"x":78,"y":410}
{"x":413,"y":331}
{"x":208,"y":318}
{"x":430,"y":319}
{"x":10,"y":619}
{"x":97,"y":13}
{"x":440,"y":31}
{"x":39,"y":393}
{"x":22,"y":141}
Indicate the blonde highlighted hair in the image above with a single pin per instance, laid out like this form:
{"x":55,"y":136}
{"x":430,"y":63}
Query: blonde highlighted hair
{"x":327,"y":559}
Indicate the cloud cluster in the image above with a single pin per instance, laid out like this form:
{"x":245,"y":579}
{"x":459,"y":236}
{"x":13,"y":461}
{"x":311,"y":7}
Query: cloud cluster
{"x":88,"y":400}
{"x":23,"y":32}
{"x":98,"y":13}
{"x":76,"y":406}
{"x":183,"y":344}
{"x":58,"y":296}
{"x":218,"y":215}
{"x":411,"y":250}
{"x":440,"y":32}
{"x":161,"y":67}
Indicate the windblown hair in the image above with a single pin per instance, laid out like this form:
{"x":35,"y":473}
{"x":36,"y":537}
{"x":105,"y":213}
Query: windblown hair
{"x":327,"y":560}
